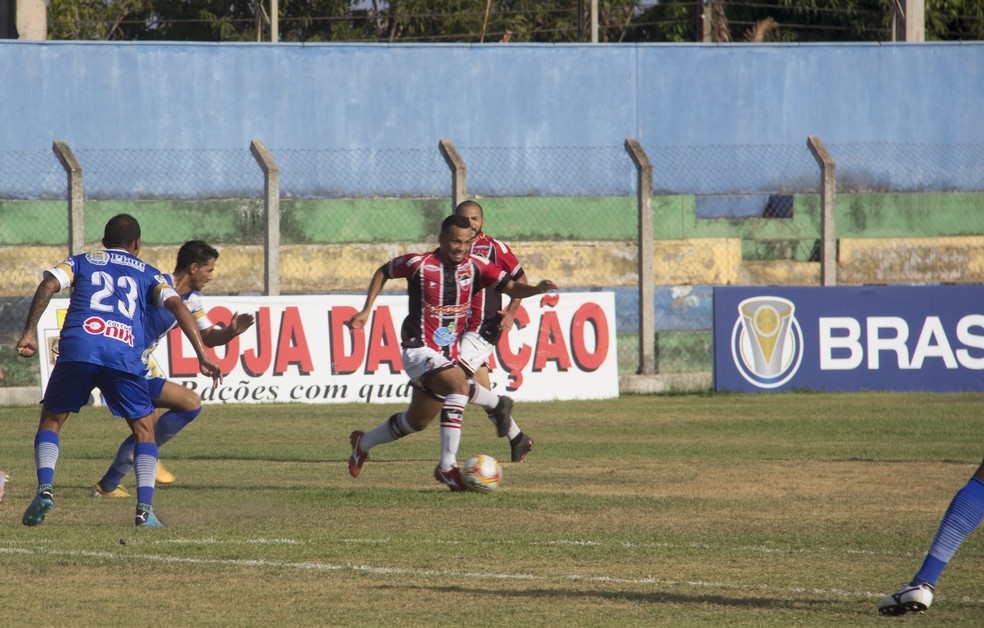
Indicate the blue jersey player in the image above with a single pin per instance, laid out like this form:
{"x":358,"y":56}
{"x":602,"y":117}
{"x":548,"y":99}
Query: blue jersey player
{"x":101,"y":345}
{"x":193,"y":270}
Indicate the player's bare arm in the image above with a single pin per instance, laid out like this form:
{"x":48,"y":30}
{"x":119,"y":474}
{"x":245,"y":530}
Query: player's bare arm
{"x":509,"y":314}
{"x":375,"y":287}
{"x":524,"y":290}
{"x":27,"y":346}
{"x":187,"y":324}
{"x":216,"y":336}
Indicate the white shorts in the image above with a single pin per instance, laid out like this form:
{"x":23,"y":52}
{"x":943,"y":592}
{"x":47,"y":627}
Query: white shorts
{"x":474,"y":351}
{"x":420,"y":361}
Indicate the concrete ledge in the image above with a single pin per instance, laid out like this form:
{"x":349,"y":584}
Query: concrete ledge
{"x":27,"y":396}
{"x":654,"y":384}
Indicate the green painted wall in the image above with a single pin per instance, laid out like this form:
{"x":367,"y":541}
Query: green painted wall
{"x":513,"y":219}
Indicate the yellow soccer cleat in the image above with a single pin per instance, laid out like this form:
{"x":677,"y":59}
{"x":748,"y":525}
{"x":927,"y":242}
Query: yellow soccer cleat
{"x":163,"y":475}
{"x":119,"y":491}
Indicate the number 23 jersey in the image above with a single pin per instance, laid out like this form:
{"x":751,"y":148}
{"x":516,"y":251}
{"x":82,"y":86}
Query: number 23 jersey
{"x":111,"y":291}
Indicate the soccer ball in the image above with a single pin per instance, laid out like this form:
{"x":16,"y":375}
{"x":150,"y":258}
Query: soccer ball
{"x":481,"y":473}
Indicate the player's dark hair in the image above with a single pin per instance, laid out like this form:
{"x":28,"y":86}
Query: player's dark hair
{"x":468,"y":205}
{"x":454,"y":220}
{"x":195,"y":252}
{"x":121,"y":231}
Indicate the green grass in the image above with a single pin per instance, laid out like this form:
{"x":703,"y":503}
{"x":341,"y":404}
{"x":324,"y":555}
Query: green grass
{"x":763,"y":510}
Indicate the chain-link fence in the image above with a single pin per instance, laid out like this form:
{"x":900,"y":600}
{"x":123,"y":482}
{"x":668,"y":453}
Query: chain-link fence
{"x":721,"y":215}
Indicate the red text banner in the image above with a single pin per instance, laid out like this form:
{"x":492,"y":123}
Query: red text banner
{"x":561,"y":346}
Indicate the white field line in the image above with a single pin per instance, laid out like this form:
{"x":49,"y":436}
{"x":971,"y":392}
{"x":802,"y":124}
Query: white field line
{"x":429,"y":573}
{"x":755,"y":549}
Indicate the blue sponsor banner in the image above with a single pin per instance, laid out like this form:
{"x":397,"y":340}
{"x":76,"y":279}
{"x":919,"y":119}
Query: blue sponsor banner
{"x":849,"y":338}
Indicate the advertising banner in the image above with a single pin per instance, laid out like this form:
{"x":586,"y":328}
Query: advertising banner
{"x":849,"y":338}
{"x":562,"y":346}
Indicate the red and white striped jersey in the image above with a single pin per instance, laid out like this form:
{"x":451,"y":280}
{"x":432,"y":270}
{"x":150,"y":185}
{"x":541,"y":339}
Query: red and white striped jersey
{"x":440,"y":296}
{"x":484,"y":316}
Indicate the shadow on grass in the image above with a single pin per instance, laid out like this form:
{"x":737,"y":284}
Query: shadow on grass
{"x":655,"y":597}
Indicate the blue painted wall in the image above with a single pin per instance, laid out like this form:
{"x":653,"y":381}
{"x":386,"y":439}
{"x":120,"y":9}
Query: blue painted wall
{"x":197,"y":95}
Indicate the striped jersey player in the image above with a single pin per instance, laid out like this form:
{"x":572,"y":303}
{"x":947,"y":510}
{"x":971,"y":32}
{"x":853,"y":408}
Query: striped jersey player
{"x":440,"y":287}
{"x":487,"y":320}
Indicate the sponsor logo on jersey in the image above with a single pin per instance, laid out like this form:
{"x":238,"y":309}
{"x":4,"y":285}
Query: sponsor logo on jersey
{"x":110,"y":329}
{"x":96,"y":258}
{"x":126,"y":260}
{"x":445,"y":336}
{"x":447,"y":310}
{"x":766,"y":341}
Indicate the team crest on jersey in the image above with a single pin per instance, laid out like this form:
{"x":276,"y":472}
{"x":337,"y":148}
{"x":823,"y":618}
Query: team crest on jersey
{"x":463,"y":274}
{"x":97,"y":258}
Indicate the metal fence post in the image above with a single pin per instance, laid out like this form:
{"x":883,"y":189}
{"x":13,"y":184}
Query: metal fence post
{"x":647,"y":253}
{"x":828,"y":207}
{"x":271,"y":204}
{"x":76,"y":199}
{"x":459,"y":172}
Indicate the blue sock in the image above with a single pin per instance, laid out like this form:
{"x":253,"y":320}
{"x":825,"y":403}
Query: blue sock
{"x":145,"y":468}
{"x":172,"y":422}
{"x":45,"y":456}
{"x":962,"y":517}
{"x":122,"y":465}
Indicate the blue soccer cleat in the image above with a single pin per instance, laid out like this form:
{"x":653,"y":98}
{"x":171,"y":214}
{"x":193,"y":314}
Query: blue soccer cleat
{"x":145,"y":517}
{"x":43,"y":502}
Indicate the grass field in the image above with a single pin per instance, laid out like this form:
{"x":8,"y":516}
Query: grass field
{"x":764,"y":510}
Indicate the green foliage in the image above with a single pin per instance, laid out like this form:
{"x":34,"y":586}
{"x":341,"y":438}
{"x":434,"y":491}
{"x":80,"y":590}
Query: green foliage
{"x":492,"y":21}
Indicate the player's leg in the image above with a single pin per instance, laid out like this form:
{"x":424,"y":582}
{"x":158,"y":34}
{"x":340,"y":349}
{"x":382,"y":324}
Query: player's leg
{"x":422,"y":409}
{"x":145,"y":469}
{"x":46,"y":449}
{"x":519,"y":443}
{"x":128,"y":396}
{"x":453,"y":386}
{"x":109,"y":484}
{"x":67,"y":391}
{"x":963,"y":516}
{"x":183,"y":405}
{"x":473,"y":355}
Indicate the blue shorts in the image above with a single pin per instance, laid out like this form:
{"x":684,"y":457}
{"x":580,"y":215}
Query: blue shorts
{"x":155,"y":386}
{"x":126,"y":395}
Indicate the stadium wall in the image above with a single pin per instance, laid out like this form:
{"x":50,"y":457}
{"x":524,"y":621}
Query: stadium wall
{"x":346,"y":96}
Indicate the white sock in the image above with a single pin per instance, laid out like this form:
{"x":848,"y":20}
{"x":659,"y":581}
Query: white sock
{"x":482,"y":396}
{"x":451,"y":415}
{"x":391,"y":429}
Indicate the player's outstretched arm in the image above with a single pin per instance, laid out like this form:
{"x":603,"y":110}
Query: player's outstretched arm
{"x":187,"y":324}
{"x":525,"y":291}
{"x":375,"y":287}
{"x":27,"y":345}
{"x":216,"y":336}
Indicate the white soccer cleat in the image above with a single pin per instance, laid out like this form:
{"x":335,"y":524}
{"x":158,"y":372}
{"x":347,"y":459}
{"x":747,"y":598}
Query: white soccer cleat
{"x":908,"y":599}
